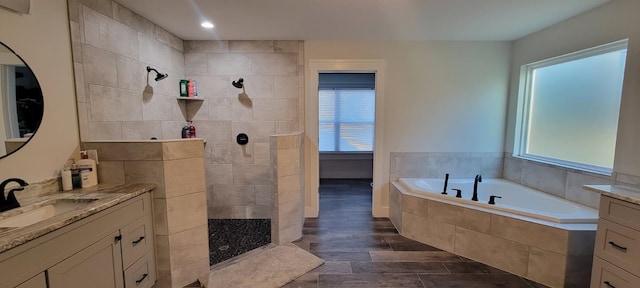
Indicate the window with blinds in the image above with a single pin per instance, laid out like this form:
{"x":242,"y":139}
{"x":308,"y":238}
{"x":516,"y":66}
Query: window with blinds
{"x":346,"y":112}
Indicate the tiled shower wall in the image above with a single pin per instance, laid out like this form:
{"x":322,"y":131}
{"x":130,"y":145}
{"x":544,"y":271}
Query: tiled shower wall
{"x":240,"y":178}
{"x":112,"y":47}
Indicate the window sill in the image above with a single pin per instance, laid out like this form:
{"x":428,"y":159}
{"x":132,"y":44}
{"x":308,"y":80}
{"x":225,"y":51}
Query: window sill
{"x":567,"y":165}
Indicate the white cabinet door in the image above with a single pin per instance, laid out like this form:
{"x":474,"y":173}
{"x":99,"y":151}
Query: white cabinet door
{"x":38,"y":281}
{"x":97,"y":266}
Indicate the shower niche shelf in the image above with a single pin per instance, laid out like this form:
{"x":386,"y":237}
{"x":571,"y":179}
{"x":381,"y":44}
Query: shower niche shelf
{"x":190,"y":98}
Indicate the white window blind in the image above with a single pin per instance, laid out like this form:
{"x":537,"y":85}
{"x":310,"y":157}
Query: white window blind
{"x":346,"y":117}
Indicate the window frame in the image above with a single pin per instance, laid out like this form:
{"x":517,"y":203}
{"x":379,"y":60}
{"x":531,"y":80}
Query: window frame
{"x":524,"y":99}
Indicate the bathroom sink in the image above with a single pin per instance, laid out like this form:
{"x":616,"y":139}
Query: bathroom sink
{"x":25,"y":216}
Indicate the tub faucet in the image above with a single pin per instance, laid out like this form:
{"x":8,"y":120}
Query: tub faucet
{"x":10,"y":202}
{"x":475,"y":187}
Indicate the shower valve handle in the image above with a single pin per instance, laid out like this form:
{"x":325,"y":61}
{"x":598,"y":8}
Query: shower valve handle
{"x":492,"y":199}
{"x":458,"y":193}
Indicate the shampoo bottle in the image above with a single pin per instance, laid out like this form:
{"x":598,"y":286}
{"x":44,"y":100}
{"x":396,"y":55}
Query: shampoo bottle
{"x":192,"y":130}
{"x":65,"y":174}
{"x":88,"y":170}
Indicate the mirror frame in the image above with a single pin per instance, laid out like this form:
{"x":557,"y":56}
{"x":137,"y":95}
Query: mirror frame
{"x":41,"y":93}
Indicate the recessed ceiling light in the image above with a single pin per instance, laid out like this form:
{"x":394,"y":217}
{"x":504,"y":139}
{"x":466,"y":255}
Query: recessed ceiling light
{"x":206,"y":24}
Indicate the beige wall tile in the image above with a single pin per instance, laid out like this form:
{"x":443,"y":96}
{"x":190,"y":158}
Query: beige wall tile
{"x":264,"y":195}
{"x":112,"y":104}
{"x":166,"y":37}
{"x":189,"y":246}
{"x":545,"y":178}
{"x":184,"y":176}
{"x":186,"y":212}
{"x":126,"y":151}
{"x":288,"y":235}
{"x":287,"y":141}
{"x":512,"y":169}
{"x":286,"y":87}
{"x":219,"y":174}
{"x":83,"y":120}
{"x":252,"y":174}
{"x":547,"y":268}
{"x":288,"y":162}
{"x":581,"y":242}
{"x":415,"y":205}
{"x":242,"y":107}
{"x":286,"y":127}
{"x":228,"y":64}
{"x":258,"y":131}
{"x":289,"y":189}
{"x":242,"y":154}
{"x":212,"y":86}
{"x":221,"y":153}
{"x":159,"y":54}
{"x":544,"y":237}
{"x":231,"y":195}
{"x":221,"y":109}
{"x":395,"y":207}
{"x":182,"y":149}
{"x":133,"y":20}
{"x":101,"y":6}
{"x":105,"y":131}
{"x":172,"y":129}
{"x":211,"y":46}
{"x":275,"y":109}
{"x":162,"y":108}
{"x":274,"y":64}
{"x":214,"y":131}
{"x":99,"y":66}
{"x":289,"y":215}
{"x":78,"y":72}
{"x":437,"y":234}
{"x":504,"y":254}
{"x":259,"y":87}
{"x":163,"y":252}
{"x":417,"y":167}
{"x":261,"y":153}
{"x":130,"y":76}
{"x":253,"y":212}
{"x":160,"y":221}
{"x":243,"y":46}
{"x":141,"y":130}
{"x":195,"y":64}
{"x":110,"y":35}
{"x":576,"y":193}
{"x":185,"y":275}
{"x":286,"y":46}
{"x":459,"y":216}
{"x":111,"y":172}
{"x":147,"y":172}
{"x":221,"y":212}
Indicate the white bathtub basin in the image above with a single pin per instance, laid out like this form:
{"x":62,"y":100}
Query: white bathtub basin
{"x":28,"y":215}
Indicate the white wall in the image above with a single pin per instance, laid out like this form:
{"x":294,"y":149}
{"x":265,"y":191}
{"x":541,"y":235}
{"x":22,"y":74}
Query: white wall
{"x":42,"y":39}
{"x":439,"y":96}
{"x":610,"y":22}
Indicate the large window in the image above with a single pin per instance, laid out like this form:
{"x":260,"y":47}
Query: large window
{"x":346,"y":112}
{"x":571,"y":106}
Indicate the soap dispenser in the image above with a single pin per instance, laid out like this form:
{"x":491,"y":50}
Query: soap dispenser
{"x":88,"y":170}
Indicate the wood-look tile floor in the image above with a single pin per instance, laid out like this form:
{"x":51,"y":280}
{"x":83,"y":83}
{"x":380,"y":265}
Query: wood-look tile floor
{"x":362,"y":251}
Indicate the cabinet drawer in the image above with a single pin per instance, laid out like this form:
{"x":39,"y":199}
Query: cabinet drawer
{"x":137,"y":239}
{"x":606,"y":275}
{"x":141,"y":274}
{"x":621,"y":212}
{"x":619,"y":245}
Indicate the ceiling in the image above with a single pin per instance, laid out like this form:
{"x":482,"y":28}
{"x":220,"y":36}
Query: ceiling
{"x":358,"y":20}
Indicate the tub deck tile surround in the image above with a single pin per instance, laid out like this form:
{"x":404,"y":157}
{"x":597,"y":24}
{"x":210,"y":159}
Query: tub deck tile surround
{"x":361,"y":251}
{"x":545,"y":254}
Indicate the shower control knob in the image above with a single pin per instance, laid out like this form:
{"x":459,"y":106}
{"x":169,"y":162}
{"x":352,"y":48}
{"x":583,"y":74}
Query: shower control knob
{"x":242,"y":139}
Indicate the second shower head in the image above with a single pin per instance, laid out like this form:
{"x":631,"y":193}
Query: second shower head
{"x":239,"y":84}
{"x":159,"y":76}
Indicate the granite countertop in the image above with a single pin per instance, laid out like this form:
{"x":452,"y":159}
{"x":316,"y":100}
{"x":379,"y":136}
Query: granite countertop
{"x":92,"y":200}
{"x":616,"y":191}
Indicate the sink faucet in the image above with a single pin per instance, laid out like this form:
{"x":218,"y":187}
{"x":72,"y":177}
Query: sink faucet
{"x":475,"y":187}
{"x":10,"y":202}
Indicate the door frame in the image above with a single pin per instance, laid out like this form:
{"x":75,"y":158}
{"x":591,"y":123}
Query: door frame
{"x":311,"y":153}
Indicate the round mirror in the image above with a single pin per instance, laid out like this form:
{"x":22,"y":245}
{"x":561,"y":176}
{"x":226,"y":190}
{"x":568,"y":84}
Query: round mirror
{"x":21,"y":105}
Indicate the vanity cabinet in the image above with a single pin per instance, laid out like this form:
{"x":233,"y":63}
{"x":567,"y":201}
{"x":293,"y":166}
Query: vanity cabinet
{"x":617,"y":250}
{"x":112,"y":249}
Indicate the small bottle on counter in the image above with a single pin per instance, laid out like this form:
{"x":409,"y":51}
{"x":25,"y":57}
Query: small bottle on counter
{"x":76,"y":182}
{"x":88,"y":170}
{"x":192,"y":130}
{"x":67,"y":183}
{"x":186,"y":131}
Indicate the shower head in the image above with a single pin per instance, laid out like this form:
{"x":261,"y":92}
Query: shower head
{"x":238,"y":84}
{"x":159,"y":76}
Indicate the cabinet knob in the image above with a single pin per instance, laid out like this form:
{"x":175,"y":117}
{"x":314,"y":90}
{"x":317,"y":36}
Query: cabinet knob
{"x":118,"y":238}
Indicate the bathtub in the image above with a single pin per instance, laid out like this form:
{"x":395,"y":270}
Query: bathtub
{"x":516,"y":199}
